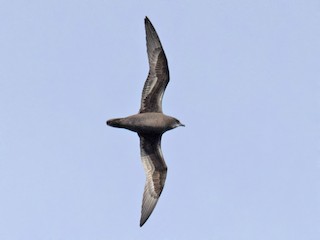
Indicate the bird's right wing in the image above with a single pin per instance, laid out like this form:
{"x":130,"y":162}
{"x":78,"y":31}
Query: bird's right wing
{"x":158,"y":77}
{"x":156,"y":171}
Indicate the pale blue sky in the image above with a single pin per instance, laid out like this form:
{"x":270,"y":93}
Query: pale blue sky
{"x":244,"y":80}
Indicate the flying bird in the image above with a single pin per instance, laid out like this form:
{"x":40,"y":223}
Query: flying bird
{"x":150,"y":123}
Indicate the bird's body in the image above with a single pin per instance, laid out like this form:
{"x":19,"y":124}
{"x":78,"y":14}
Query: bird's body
{"x":150,"y":123}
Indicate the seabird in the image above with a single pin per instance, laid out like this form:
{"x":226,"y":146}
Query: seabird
{"x":150,"y":123}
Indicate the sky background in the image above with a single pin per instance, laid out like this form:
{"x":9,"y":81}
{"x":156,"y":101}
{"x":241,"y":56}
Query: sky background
{"x":244,"y":80}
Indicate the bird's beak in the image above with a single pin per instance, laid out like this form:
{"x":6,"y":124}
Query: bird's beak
{"x":182,"y":125}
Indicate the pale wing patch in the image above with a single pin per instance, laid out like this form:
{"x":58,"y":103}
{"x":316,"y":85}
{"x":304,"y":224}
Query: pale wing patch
{"x":149,"y":170}
{"x":152,"y":77}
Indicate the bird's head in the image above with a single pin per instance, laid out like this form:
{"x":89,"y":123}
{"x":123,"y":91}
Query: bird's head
{"x":176,"y":123}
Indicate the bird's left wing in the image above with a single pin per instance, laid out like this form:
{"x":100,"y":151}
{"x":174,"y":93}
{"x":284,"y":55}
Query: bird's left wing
{"x":156,"y":171}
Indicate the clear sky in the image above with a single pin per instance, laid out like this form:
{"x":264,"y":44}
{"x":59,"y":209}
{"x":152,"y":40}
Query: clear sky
{"x":244,"y":80}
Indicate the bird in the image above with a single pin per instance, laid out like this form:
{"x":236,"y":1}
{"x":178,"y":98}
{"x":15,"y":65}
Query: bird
{"x":150,"y":123}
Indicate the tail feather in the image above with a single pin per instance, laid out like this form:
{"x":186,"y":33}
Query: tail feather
{"x":116,"y":122}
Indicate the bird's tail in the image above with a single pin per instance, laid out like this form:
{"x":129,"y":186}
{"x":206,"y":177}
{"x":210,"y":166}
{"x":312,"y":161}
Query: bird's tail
{"x":116,"y":122}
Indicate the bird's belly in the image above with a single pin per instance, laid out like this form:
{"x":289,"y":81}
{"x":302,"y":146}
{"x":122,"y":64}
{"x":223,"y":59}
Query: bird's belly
{"x":146,"y":123}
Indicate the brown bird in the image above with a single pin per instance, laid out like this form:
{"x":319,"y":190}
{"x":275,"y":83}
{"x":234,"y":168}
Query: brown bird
{"x":150,"y":123}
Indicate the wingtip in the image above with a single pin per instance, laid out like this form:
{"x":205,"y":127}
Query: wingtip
{"x":143,"y":220}
{"x":146,"y":20}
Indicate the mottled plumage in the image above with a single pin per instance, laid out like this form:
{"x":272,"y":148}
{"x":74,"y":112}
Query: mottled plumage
{"x":150,"y":123}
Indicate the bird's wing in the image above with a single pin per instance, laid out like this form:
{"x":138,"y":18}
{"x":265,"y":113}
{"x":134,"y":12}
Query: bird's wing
{"x":158,"y":77}
{"x":156,"y":171}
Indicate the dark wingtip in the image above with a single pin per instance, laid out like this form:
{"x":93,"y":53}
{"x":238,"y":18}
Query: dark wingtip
{"x":147,"y":21}
{"x":142,"y":222}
